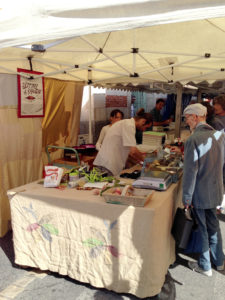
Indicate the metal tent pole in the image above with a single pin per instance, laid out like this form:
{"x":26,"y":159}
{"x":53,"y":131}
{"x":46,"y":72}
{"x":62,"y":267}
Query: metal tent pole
{"x":90,"y":137}
{"x":178,"y":109}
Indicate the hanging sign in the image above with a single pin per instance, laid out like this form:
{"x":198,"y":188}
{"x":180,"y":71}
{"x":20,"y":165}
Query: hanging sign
{"x":31,"y":102}
{"x":116,"y":101}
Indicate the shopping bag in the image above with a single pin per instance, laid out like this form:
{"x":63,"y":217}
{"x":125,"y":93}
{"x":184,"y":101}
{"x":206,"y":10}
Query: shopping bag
{"x":195,"y":243}
{"x":182,"y":227}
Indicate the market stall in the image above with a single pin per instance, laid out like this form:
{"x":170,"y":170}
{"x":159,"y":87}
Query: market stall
{"x":73,"y":232}
{"x":87,"y":43}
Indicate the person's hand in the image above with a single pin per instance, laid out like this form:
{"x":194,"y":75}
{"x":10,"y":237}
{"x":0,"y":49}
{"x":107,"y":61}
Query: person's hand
{"x":186,"y":205}
{"x":137,"y":155}
{"x":166,"y":122}
{"x":175,"y":149}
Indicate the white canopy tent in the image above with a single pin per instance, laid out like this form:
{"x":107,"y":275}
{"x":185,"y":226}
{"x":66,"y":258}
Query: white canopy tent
{"x":28,"y":21}
{"x":116,"y":42}
{"x":158,"y":44}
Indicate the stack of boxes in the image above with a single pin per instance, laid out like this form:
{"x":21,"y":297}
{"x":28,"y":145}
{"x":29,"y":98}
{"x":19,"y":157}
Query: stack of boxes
{"x":152,"y":138}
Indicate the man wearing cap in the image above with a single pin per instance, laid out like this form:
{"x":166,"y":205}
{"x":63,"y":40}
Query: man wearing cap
{"x":204,"y":154}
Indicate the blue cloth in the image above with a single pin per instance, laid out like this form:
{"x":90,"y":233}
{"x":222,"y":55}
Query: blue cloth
{"x":209,"y":238}
{"x":140,"y":101}
{"x":170,"y":105}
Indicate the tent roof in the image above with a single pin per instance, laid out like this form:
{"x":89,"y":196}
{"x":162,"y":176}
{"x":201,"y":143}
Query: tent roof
{"x":29,"y":21}
{"x":121,"y":43}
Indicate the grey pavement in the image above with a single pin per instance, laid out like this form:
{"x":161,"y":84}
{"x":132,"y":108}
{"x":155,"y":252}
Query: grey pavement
{"x":25,"y":284}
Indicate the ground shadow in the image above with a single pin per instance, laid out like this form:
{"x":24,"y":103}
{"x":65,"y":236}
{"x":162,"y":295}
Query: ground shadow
{"x":6,"y":243}
{"x":168,"y":291}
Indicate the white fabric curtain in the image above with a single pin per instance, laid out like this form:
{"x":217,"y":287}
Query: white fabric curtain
{"x":21,"y":146}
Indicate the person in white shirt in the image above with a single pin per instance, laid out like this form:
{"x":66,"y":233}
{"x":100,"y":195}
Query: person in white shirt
{"x":120,"y":142}
{"x":116,"y":115}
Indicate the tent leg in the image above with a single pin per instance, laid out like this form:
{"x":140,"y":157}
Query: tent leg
{"x":90,"y":138}
{"x":178,"y":110}
{"x":199,"y":96}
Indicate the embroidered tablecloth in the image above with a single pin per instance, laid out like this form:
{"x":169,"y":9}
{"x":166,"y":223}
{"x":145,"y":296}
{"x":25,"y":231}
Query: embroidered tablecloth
{"x":121,"y":248}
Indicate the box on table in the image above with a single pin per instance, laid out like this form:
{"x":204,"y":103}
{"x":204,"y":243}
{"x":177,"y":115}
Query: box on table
{"x":153,"y":138}
{"x":140,"y":197}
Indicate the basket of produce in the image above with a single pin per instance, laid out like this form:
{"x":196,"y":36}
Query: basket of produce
{"x":127,"y":195}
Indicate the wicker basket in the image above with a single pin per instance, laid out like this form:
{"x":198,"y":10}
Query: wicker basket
{"x":140,"y":197}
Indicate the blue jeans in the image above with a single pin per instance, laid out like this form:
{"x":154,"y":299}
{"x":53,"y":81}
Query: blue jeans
{"x":210,"y":238}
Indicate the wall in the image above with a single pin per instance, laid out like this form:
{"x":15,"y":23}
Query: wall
{"x":100,"y":113}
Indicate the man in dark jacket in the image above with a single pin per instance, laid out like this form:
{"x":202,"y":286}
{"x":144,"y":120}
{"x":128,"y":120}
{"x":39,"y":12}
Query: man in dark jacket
{"x":203,"y":185}
{"x":156,"y":114}
{"x":219,"y":106}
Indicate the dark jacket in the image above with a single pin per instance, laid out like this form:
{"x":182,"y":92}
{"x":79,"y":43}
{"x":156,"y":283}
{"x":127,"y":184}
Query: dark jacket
{"x":203,"y":167}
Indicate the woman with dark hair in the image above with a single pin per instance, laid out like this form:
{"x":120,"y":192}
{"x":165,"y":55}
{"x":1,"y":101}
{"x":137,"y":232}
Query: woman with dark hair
{"x":120,"y":142}
{"x":115,"y":115}
{"x":139,"y":133}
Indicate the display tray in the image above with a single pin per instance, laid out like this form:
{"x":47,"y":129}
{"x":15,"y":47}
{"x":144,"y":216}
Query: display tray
{"x":140,"y":197}
{"x":175,"y":172}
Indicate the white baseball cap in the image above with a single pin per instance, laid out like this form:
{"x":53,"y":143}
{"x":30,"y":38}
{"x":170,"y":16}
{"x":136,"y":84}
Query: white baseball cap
{"x":195,"y":109}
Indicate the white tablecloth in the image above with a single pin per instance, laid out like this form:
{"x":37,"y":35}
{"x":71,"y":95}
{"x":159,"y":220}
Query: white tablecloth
{"x":122,"y":248}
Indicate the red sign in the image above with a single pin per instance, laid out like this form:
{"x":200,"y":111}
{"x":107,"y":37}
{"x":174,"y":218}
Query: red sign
{"x":116,"y":101}
{"x":31,"y":102}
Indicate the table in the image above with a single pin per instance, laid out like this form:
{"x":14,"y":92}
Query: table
{"x":121,"y":248}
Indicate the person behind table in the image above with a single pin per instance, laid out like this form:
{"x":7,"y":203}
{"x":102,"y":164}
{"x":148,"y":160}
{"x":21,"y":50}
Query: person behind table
{"x":219,"y":106}
{"x":115,"y":115}
{"x":139,"y":133}
{"x":211,"y":118}
{"x":203,"y":185}
{"x":120,"y":142}
{"x":156,"y":114}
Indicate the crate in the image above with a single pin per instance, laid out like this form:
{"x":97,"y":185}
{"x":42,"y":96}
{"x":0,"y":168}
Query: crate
{"x":59,"y":162}
{"x":140,"y":197}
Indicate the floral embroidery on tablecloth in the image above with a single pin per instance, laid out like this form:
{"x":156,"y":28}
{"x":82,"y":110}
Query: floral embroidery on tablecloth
{"x":47,"y":229}
{"x":98,"y":243}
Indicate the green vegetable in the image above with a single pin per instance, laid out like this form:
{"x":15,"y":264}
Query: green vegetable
{"x":74,"y":172}
{"x":95,"y":175}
